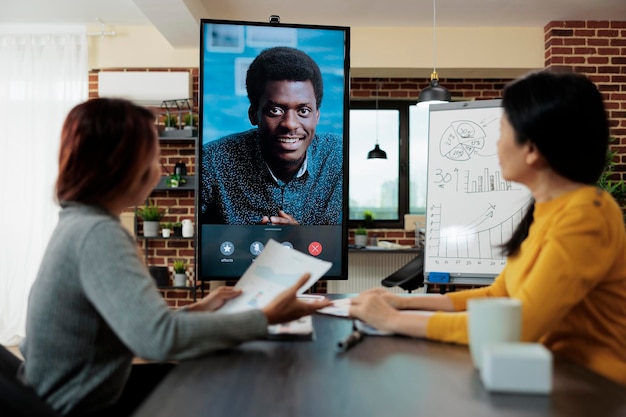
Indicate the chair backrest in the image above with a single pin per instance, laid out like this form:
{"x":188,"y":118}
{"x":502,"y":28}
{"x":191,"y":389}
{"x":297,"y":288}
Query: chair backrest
{"x":409,"y":277}
{"x":17,"y":399}
{"x":9,"y":363}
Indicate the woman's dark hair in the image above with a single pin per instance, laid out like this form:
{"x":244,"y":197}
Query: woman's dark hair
{"x":279,"y":64}
{"x":102,"y":142}
{"x":563,"y":115}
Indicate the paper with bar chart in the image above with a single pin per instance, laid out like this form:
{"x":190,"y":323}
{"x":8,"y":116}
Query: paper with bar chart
{"x":471,"y":209}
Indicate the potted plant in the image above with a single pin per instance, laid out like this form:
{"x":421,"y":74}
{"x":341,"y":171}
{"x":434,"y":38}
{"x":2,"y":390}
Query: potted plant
{"x":360,"y":237}
{"x":190,"y":120}
{"x":166,"y":229}
{"x":368,"y":218}
{"x":180,"y":278}
{"x":160,"y":275}
{"x":175,"y":180}
{"x":151,"y":215}
{"x":177,"y":228}
{"x":170,"y":121}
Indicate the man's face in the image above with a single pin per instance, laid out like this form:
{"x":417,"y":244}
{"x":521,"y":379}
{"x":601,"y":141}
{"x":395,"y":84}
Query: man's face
{"x":287,"y":117}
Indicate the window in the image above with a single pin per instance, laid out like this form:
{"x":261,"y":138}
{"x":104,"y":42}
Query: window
{"x":418,"y":158}
{"x":392,"y":187}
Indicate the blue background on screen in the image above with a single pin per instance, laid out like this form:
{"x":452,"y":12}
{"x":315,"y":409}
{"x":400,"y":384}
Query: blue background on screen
{"x":225,"y":105}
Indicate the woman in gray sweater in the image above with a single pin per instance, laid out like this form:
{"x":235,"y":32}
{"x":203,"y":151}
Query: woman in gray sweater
{"x":94,"y":305}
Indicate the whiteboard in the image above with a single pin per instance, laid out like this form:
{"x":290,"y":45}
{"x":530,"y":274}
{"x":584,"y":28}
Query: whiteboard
{"x":470,"y":209}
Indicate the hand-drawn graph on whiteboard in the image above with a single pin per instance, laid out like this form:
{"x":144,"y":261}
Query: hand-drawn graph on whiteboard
{"x":471,"y":209}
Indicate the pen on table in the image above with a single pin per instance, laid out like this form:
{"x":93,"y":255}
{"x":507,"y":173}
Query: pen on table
{"x":350,"y":341}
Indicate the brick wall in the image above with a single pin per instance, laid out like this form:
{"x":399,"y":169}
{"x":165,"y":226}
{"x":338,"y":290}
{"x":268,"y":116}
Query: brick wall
{"x":409,"y":88}
{"x":597,"y":49}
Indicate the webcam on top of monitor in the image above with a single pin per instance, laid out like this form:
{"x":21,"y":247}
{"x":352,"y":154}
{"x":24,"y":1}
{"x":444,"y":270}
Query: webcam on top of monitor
{"x":274,"y":19}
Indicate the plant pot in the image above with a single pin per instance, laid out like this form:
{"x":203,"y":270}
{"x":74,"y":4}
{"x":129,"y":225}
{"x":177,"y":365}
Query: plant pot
{"x":180,"y":280}
{"x":150,"y":229}
{"x":166,"y":233}
{"x":360,"y":240}
{"x":160,"y":275}
{"x":177,"y":231}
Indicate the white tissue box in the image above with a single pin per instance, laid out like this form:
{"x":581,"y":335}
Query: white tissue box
{"x":517,"y":368}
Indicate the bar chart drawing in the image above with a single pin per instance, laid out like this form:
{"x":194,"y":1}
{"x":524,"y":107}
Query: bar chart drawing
{"x":486,"y":182}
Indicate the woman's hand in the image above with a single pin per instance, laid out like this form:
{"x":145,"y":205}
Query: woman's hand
{"x":372,"y":308}
{"x":393,"y":300}
{"x":287,"y":307}
{"x":215,"y":299}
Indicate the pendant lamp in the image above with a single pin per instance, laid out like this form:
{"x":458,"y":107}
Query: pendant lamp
{"x":434,"y":93}
{"x":377,"y":153}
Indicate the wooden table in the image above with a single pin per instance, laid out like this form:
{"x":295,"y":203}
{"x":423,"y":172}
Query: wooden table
{"x":381,"y":377}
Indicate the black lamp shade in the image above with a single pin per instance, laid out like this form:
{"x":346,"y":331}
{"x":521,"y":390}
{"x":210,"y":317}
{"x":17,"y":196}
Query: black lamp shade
{"x":377,"y":153}
{"x":434,"y":92}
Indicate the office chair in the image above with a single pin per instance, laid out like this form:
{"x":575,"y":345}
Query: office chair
{"x":410,"y":276}
{"x":17,"y":399}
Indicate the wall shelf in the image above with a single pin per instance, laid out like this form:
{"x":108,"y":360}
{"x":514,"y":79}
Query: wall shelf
{"x":165,"y":238}
{"x":178,"y":138}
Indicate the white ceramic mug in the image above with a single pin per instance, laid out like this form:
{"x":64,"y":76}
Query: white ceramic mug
{"x":490,"y":321}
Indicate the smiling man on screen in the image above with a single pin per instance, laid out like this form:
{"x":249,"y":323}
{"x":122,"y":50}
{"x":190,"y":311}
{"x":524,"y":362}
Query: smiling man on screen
{"x":281,"y":172}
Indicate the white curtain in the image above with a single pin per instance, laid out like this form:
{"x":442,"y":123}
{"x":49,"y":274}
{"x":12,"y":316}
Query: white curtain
{"x":43,"y":74}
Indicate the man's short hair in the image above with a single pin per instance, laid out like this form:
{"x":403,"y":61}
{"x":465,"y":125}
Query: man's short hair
{"x":282,"y":63}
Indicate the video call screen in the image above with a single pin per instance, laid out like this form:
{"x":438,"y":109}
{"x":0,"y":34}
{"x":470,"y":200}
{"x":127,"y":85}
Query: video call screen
{"x":273,"y":144}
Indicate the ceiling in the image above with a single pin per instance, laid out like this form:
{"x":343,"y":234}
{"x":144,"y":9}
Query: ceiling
{"x":178,"y":20}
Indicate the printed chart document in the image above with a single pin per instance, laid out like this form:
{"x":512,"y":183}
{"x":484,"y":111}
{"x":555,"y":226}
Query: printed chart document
{"x":274,"y":270}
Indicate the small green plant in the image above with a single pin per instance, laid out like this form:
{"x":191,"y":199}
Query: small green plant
{"x":177,"y":229}
{"x":190,"y":119}
{"x":179,"y":266}
{"x":150,"y":212}
{"x":360,"y":231}
{"x":617,"y":188}
{"x":175,"y":180}
{"x":166,"y":225}
{"x":170,"y":120}
{"x":368,"y":217}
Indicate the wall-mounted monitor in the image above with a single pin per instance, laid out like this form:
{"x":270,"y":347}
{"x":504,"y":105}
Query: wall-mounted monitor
{"x":273,"y":144}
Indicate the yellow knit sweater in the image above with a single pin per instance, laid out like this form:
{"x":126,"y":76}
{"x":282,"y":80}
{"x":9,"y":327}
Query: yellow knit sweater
{"x":570,"y":275}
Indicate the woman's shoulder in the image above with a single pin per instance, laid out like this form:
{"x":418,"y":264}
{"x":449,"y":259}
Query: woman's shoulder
{"x":84,"y":213}
{"x":82,"y":221}
{"x":588,"y":207}
{"x":594,"y":198}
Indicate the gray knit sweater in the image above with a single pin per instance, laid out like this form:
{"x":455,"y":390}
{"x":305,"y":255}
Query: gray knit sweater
{"x":94,"y":306}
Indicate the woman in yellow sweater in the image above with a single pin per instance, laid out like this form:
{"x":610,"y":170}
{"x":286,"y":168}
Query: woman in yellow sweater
{"x":567,"y":258}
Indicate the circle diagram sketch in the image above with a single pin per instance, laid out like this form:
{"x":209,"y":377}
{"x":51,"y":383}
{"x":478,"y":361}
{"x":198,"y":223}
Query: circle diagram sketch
{"x":461,"y":139}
